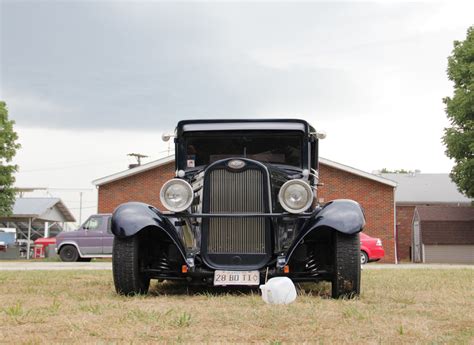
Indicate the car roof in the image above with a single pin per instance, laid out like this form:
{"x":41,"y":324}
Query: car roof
{"x":243,"y":124}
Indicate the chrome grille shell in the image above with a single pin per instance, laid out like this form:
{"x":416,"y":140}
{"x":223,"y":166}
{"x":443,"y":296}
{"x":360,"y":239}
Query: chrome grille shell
{"x":236,"y":242}
{"x":236,"y":192}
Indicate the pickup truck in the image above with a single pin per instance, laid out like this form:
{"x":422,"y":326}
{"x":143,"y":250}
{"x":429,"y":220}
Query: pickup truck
{"x":93,"y":239}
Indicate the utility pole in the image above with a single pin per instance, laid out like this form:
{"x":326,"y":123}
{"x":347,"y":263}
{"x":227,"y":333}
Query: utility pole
{"x":138,"y":156}
{"x":80,"y":208}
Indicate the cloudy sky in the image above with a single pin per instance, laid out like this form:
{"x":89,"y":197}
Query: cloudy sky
{"x":88,"y":82}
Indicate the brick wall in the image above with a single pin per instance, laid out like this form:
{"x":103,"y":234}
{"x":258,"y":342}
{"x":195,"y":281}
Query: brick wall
{"x":376,"y":199}
{"x":144,"y":187}
{"x":404,"y":225}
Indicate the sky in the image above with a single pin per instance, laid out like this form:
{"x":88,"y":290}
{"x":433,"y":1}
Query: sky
{"x":89,"y":82}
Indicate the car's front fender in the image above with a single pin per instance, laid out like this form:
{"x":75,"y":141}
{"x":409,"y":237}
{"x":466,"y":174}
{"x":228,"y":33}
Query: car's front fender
{"x":341,"y":215}
{"x":132,"y":217}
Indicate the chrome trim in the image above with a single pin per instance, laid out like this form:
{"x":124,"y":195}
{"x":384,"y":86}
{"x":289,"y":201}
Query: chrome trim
{"x":235,"y":215}
{"x":79,"y":251}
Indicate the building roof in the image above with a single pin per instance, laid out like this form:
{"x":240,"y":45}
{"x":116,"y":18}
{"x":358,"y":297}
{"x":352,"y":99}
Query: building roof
{"x":446,"y":213}
{"x":47,"y":209}
{"x":358,"y":172}
{"x":133,"y":171}
{"x":170,"y":159}
{"x":426,"y":189}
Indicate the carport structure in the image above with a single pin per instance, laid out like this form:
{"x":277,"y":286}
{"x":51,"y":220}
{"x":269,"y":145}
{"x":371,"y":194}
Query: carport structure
{"x":443,"y":234}
{"x":37,"y":217}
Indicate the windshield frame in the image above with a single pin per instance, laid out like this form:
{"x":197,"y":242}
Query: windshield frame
{"x":181,"y":144}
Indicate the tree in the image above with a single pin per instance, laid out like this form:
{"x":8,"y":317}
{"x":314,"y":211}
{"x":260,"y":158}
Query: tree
{"x":8,"y":148}
{"x":459,"y":138}
{"x":398,"y":171}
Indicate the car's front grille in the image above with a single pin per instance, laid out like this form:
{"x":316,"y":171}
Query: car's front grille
{"x":236,"y":192}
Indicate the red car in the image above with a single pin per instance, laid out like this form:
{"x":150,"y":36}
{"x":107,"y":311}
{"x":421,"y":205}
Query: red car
{"x":371,"y":249}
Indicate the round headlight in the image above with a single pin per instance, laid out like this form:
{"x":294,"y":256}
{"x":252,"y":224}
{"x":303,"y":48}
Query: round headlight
{"x":295,"y":196}
{"x":176,"y":195}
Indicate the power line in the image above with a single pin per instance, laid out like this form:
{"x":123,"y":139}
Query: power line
{"x":82,"y":163}
{"x":72,"y":189}
{"x":83,"y":207}
{"x":60,"y":168}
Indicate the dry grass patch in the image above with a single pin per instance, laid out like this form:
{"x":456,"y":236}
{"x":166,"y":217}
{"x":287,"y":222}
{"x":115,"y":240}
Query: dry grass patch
{"x":396,"y":306}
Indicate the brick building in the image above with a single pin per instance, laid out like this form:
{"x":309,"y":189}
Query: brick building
{"x":375,"y":193}
{"x":416,"y":189}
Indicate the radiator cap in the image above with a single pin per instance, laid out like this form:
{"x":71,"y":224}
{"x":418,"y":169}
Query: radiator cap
{"x":236,"y":164}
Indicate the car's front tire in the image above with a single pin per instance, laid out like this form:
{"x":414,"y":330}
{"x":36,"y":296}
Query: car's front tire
{"x":126,"y":266}
{"x":346,"y":278}
{"x":69,"y":253}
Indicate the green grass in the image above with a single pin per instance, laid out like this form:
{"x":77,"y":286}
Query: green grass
{"x":396,"y":306}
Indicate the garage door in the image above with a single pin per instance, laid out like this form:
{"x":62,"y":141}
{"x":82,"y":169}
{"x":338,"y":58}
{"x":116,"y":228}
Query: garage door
{"x":449,"y":254}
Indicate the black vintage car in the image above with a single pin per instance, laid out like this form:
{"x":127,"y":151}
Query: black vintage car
{"x":242,"y":208}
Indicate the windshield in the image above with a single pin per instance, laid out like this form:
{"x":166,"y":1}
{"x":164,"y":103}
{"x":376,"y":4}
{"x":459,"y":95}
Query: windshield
{"x":203,"y":148}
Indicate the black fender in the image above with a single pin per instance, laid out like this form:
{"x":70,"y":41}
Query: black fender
{"x":342,"y":215}
{"x":130,"y":218}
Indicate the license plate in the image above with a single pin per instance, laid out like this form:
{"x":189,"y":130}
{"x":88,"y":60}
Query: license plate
{"x":236,"y":278}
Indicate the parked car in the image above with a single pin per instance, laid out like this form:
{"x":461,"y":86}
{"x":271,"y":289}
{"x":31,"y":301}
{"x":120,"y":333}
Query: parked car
{"x":371,"y":249}
{"x":93,"y":239}
{"x":241,"y":208}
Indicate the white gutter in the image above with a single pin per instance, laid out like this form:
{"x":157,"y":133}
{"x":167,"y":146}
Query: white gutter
{"x":395,"y":233}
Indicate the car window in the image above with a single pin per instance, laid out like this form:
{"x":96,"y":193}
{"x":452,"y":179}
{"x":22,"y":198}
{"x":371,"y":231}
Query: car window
{"x":272,"y":147}
{"x":109,"y":225}
{"x":93,"y":224}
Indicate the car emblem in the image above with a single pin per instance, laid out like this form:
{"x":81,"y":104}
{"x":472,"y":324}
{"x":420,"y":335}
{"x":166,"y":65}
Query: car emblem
{"x":236,"y":164}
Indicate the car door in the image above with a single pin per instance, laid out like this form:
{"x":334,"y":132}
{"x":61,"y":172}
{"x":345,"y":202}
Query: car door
{"x":91,"y":243}
{"x":108,"y":238}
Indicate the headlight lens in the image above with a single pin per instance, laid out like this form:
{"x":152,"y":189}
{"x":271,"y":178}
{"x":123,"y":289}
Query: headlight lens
{"x":295,"y":196}
{"x":176,"y":195}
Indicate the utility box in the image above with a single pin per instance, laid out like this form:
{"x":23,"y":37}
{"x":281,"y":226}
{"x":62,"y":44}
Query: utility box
{"x":41,"y":247}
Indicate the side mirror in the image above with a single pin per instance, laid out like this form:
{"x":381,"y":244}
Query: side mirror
{"x":319,"y":134}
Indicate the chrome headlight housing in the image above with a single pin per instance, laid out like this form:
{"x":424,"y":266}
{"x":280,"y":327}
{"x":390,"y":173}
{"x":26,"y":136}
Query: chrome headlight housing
{"x":176,"y":195}
{"x":295,"y":196}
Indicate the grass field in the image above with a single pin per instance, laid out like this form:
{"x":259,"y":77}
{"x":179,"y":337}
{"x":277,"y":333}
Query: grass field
{"x":396,"y":306}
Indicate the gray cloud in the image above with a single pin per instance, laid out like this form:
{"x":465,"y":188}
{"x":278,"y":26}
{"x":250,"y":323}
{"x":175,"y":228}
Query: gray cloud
{"x":146,"y":65}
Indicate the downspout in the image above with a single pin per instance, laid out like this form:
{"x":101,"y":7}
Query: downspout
{"x":395,"y":232}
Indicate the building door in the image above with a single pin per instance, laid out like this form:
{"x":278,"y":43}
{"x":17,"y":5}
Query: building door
{"x":417,"y":255}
